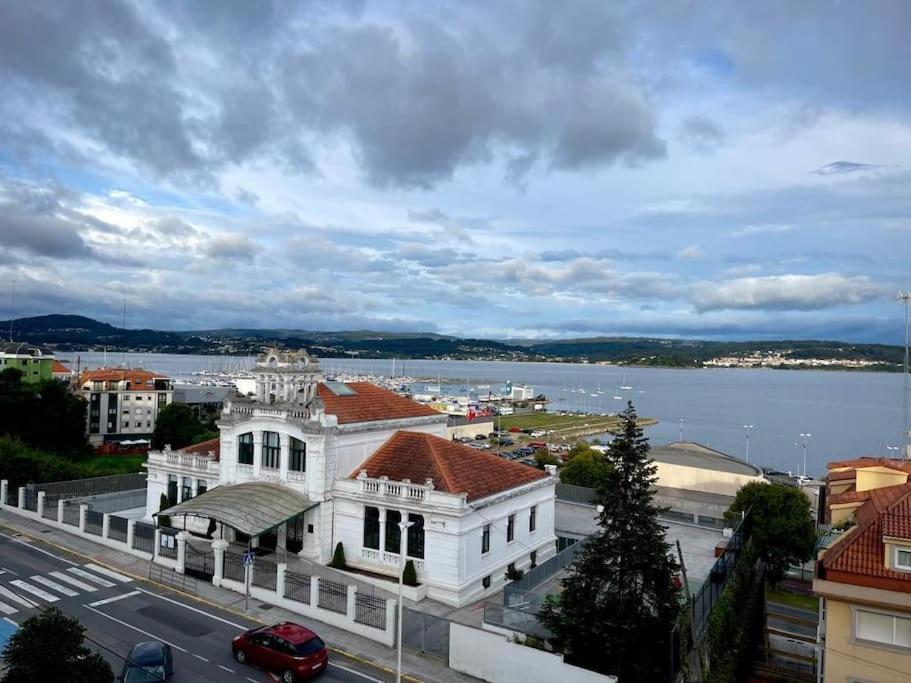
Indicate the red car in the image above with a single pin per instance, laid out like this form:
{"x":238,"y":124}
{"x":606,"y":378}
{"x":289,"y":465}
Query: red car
{"x":287,"y":649}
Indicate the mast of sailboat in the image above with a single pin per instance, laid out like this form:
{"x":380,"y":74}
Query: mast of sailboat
{"x":12,"y":308}
{"x":123,"y":327}
{"x":905,"y":298}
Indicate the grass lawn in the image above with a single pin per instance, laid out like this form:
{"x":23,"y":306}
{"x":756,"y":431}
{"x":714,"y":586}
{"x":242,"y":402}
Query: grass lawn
{"x":810,"y":602}
{"x":551,"y":421}
{"x":101,"y":465}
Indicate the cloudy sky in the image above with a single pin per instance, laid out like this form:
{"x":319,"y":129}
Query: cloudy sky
{"x":509,"y":169}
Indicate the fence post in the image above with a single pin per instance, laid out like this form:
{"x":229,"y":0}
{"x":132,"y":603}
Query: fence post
{"x":60,"y":506}
{"x":83,"y":509}
{"x":314,"y":592}
{"x":131,"y":533}
{"x":181,"y":552}
{"x":21,"y":498}
{"x":40,"y":507}
{"x":4,"y":492}
{"x":156,"y":544}
{"x":280,"y":569}
{"x":352,"y":601}
{"x":391,"y":612}
{"x":105,"y":524}
{"x":219,"y":546}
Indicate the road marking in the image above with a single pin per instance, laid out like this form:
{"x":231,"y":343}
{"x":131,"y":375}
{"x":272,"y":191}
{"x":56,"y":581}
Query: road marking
{"x":6,"y":609}
{"x":200,"y":657}
{"x":53,"y":584}
{"x":40,"y":550}
{"x":355,"y":672}
{"x":114,"y":599}
{"x":253,"y":680}
{"x":138,"y":630}
{"x":74,"y":582}
{"x":9,"y":595}
{"x":34,"y":590}
{"x":104,"y":571}
{"x":91,"y":577}
{"x":194,"y":609}
{"x":11,"y":621}
{"x":222,"y":666}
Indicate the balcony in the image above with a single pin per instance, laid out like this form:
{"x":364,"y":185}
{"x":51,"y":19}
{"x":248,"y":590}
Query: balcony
{"x":184,"y":463}
{"x":248,"y":408}
{"x":388,"y":560}
{"x":388,"y":493}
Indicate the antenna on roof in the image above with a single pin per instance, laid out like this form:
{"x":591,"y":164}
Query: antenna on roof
{"x":12,"y":308}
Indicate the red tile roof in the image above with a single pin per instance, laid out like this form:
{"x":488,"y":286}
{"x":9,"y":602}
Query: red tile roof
{"x":204,"y":447}
{"x":139,"y":379}
{"x":869,"y":461}
{"x":453,"y":467}
{"x":369,"y":403}
{"x":859,"y":558}
{"x":59,"y":368}
{"x":842,"y":476}
{"x":848,"y":497}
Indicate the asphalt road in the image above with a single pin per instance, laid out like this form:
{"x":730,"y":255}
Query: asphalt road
{"x":119,"y":612}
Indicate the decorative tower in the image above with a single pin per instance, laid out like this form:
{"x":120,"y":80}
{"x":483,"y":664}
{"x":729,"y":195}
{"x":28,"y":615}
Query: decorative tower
{"x":288,"y":377}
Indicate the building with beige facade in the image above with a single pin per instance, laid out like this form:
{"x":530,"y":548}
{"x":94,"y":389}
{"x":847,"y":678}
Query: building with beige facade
{"x":689,"y":466}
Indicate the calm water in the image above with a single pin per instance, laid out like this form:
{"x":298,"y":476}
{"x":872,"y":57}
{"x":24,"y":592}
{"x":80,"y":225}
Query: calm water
{"x":848,"y":413}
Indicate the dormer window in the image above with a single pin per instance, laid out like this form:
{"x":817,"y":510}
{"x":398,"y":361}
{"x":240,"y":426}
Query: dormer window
{"x":903,"y":559}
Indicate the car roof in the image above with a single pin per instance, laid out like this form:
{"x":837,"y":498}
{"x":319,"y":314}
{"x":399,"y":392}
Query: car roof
{"x":144,"y":653}
{"x":293,"y":633}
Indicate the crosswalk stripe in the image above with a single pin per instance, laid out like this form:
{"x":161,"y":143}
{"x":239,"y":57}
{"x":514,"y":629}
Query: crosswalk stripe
{"x":104,"y":571}
{"x":53,"y":584}
{"x":9,"y":595}
{"x":34,"y":590}
{"x":91,"y":577}
{"x":74,"y":582}
{"x":6,"y":609}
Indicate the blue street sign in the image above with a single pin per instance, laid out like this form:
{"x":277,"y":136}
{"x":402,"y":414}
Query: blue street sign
{"x":248,"y":558}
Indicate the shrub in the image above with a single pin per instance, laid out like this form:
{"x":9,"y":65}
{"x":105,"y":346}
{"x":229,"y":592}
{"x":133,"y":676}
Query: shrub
{"x":514,"y":574}
{"x":410,"y":575}
{"x":164,"y":504}
{"x":338,"y":557}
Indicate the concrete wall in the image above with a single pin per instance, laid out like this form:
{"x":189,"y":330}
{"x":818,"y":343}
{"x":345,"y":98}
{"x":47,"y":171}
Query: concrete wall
{"x":869,"y":478}
{"x":493,"y":657}
{"x":699,"y":479}
{"x":481,"y":425}
{"x":847,"y":660}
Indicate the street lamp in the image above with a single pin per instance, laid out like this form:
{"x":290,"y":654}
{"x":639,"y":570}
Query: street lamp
{"x":403,"y":546}
{"x":747,"y":430}
{"x":893,"y":450}
{"x":680,"y":433}
{"x":804,"y":438}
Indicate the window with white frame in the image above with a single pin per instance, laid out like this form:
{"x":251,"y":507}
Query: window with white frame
{"x":510,"y":528}
{"x":903,"y":559}
{"x":880,"y":627}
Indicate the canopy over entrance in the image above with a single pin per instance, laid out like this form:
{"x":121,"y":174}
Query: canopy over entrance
{"x":252,"y":508}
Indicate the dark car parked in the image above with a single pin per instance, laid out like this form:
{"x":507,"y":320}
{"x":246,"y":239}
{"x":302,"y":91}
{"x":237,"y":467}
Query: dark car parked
{"x":290,"y":650}
{"x":147,"y":662}
{"x":505,"y":442}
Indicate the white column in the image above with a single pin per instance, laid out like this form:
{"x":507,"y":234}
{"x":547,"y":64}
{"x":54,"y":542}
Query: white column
{"x":4,"y":490}
{"x":179,"y":489}
{"x":105,"y":524}
{"x":350,"y":608}
{"x":257,"y":452}
{"x":60,"y":507}
{"x":40,"y":508}
{"x":83,"y":509}
{"x":156,"y":544}
{"x":314,"y":591}
{"x":281,"y":540}
{"x":194,"y":486}
{"x":285,"y":456}
{"x":131,"y":532}
{"x":218,"y":550}
{"x":281,"y":567}
{"x":382,"y":532}
{"x":21,"y":498}
{"x":181,"y":552}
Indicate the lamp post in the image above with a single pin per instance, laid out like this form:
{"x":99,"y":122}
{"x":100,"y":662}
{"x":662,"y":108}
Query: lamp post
{"x":747,"y":430}
{"x":680,"y":431}
{"x":803,"y":442}
{"x":893,"y":451}
{"x":403,"y":545}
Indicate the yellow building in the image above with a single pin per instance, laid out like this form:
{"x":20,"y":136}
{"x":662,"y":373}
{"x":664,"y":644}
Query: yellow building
{"x":864,"y":578}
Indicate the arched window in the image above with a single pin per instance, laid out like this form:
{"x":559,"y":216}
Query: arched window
{"x":271,"y":450}
{"x":298,"y":461}
{"x":245,"y":449}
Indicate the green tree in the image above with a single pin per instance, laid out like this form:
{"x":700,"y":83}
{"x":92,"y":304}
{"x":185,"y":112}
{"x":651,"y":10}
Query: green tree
{"x":782,"y":528}
{"x":163,"y":504}
{"x":619,"y":603}
{"x":587,"y":468}
{"x":44,"y":415}
{"x":410,"y":574}
{"x":176,"y":425}
{"x":545,"y":457}
{"x":338,"y":557}
{"x":49,"y":647}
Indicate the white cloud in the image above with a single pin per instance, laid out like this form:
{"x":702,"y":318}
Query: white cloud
{"x":784,"y":292}
{"x":690,"y":253}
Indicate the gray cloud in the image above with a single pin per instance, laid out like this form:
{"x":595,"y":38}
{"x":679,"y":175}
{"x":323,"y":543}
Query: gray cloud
{"x":843,"y":168}
{"x":701,"y":134}
{"x":231,"y":247}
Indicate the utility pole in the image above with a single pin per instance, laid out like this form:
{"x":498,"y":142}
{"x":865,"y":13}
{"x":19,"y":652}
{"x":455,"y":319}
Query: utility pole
{"x":803,"y":442}
{"x":747,"y":429}
{"x":905,"y":298}
{"x":680,"y":431}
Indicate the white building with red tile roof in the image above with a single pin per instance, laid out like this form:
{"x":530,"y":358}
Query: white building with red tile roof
{"x":361,"y":456}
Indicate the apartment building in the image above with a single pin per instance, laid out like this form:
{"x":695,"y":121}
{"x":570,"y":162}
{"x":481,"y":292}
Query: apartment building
{"x":123,"y":403}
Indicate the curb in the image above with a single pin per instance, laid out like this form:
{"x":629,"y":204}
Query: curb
{"x":204,"y":601}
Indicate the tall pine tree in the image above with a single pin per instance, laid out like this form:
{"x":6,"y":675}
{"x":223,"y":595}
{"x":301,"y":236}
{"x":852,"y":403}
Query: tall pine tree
{"x":619,"y":603}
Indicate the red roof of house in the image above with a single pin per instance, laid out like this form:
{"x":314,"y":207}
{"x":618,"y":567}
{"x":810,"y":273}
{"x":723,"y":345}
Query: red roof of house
{"x":59,"y":368}
{"x":848,"y":497}
{"x":453,"y":467}
{"x":843,"y":475}
{"x":139,"y":379}
{"x":869,"y":461}
{"x":369,"y":403}
{"x":204,"y":448}
{"x":859,"y":558}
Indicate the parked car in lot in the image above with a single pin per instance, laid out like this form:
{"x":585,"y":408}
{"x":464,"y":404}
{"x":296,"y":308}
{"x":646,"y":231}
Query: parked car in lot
{"x":465,"y":439}
{"x":480,"y":437}
{"x":515,"y":430}
{"x":505,"y":442}
{"x":538,"y":433}
{"x":290,"y":650}
{"x":147,"y":662}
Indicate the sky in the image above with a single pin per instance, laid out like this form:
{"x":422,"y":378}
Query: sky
{"x":512,"y":170}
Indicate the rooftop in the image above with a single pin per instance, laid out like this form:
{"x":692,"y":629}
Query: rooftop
{"x":453,"y":467}
{"x":365,"y":402}
{"x":24,"y":349}
{"x":689,"y":454}
{"x":59,"y":368}
{"x":138,"y":378}
{"x":204,"y":448}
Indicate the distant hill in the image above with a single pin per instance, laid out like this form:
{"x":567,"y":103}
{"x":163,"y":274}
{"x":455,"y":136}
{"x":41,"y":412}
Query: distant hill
{"x":77,"y":333}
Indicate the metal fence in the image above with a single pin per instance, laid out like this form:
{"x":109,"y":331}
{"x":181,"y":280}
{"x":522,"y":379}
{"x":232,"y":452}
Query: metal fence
{"x":264,"y":574}
{"x":297,"y":587}
{"x":93,"y":522}
{"x":545,"y":570}
{"x":50,"y":510}
{"x":144,"y":537}
{"x":576,"y":494}
{"x":425,"y":632}
{"x":71,"y":513}
{"x":234,"y":567}
{"x":711,"y":522}
{"x":515,"y":619}
{"x":31,"y":500}
{"x":117,"y":500}
{"x":199,"y":562}
{"x":370,"y":610}
{"x":117,"y":528}
{"x":324,"y":573}
{"x":333,"y":596}
{"x":167,"y":544}
{"x":80,"y":488}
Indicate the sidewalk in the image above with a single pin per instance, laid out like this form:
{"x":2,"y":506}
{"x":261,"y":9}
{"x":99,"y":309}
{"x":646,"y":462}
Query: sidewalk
{"x":415,"y":666}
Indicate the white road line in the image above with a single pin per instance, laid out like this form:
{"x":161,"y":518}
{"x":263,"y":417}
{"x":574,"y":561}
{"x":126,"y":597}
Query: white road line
{"x":193,"y":609}
{"x":82,"y":574}
{"x":200,"y":657}
{"x":9,"y":595}
{"x":40,"y":550}
{"x":138,"y":630}
{"x":355,"y":672}
{"x":252,"y":680}
{"x":11,"y":621}
{"x":54,"y":585}
{"x":6,"y":609}
{"x":73,"y":581}
{"x":34,"y":590}
{"x":104,"y":571}
{"x":114,"y":599}
{"x":222,"y":666}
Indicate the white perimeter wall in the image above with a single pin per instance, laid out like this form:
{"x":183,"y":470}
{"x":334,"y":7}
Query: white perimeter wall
{"x":492,"y":657}
{"x":705,"y":480}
